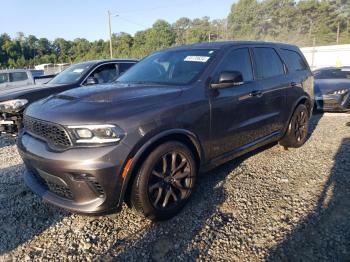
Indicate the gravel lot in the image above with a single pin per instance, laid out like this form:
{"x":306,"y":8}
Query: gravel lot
{"x":272,"y":204}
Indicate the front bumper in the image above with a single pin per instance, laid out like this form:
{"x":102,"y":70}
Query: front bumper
{"x":333,"y":103}
{"x":80,"y":180}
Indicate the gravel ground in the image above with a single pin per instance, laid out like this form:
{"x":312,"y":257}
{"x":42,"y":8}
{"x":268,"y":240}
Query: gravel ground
{"x":272,"y":204}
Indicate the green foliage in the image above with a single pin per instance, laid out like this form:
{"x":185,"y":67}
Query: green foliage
{"x":299,"y":22}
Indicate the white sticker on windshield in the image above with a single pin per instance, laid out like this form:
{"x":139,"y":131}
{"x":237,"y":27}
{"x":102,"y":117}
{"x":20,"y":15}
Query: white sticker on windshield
{"x":78,"y":70}
{"x":202,"y":59}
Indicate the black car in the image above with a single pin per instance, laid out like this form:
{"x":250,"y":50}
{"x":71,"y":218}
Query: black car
{"x":13,"y":101}
{"x":332,"y":89}
{"x":179,"y":111}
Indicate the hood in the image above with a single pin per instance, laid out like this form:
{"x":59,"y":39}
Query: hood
{"x":325,"y":86}
{"x":15,"y":92}
{"x":96,"y":104}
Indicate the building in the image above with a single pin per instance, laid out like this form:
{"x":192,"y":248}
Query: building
{"x":327,"y":56}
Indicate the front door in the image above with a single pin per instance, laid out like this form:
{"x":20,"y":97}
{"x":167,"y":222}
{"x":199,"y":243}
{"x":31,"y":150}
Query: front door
{"x":235,"y":113}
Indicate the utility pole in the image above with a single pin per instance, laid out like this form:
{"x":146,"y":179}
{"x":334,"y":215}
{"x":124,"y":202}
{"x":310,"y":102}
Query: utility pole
{"x":338,"y":32}
{"x":110,"y":32}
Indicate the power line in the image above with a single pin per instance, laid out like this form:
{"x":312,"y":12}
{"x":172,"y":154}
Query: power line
{"x":132,"y":22}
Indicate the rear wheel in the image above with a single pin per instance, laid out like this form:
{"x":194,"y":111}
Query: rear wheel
{"x":164,"y":182}
{"x":298,"y":128}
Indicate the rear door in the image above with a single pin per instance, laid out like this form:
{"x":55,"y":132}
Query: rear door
{"x":271,"y":73}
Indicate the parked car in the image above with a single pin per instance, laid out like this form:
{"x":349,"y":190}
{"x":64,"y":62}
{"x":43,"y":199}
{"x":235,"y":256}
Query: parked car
{"x":13,"y":101}
{"x":332,"y":89}
{"x":12,"y":78}
{"x":177,"y":112}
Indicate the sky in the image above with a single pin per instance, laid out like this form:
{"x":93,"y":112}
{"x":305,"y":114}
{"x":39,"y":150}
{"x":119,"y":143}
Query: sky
{"x":88,"y":19}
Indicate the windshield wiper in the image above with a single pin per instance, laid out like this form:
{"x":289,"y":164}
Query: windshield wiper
{"x":141,"y":83}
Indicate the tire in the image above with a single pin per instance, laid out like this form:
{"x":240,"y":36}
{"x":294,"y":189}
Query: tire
{"x":298,"y":127}
{"x":164,"y":181}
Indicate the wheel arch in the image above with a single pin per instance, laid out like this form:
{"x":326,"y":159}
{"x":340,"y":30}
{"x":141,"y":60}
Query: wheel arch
{"x":139,"y":154}
{"x":303,"y":100}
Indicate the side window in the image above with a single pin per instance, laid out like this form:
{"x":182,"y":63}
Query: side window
{"x":237,"y":60}
{"x":294,"y":60}
{"x":106,"y":73}
{"x":18,"y":76}
{"x":124,"y":66}
{"x":268,"y":63}
{"x":3,"y":78}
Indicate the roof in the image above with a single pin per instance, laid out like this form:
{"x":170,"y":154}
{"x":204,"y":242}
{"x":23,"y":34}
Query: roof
{"x":14,"y":70}
{"x":96,"y":62}
{"x":223,"y":44}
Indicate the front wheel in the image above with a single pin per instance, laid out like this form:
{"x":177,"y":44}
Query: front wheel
{"x":164,"y":182}
{"x":298,"y":127}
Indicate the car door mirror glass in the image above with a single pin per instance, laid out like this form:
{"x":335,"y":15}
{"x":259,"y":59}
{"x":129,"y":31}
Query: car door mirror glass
{"x":228,"y":79}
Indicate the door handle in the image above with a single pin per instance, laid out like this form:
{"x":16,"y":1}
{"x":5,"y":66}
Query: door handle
{"x":256,"y":93}
{"x":293,"y":84}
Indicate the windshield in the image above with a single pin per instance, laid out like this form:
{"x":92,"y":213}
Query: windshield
{"x":169,"y":67}
{"x":71,"y":75}
{"x":335,"y":73}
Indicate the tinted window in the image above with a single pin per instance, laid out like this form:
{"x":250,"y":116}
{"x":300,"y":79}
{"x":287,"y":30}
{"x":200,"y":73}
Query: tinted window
{"x":333,"y":73}
{"x":3,"y":78}
{"x":294,"y":60}
{"x":124,"y":66}
{"x":106,"y":73}
{"x":237,"y":60}
{"x":268,"y":62}
{"x":176,"y":67}
{"x":18,"y":76}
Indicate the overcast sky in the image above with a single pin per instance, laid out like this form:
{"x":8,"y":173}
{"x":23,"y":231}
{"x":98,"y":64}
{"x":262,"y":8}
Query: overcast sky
{"x":71,"y":19}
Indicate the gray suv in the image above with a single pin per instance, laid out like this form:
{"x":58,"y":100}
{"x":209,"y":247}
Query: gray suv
{"x":179,"y":111}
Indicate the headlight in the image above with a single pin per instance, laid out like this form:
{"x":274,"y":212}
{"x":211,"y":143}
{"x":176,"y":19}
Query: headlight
{"x":96,"y":134}
{"x":13,"y":105}
{"x":339,"y":92}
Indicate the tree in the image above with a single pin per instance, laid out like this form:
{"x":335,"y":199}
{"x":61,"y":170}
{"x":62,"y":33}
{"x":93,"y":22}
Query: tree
{"x":243,"y":20}
{"x":181,"y":27}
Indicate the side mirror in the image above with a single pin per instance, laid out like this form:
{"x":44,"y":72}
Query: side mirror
{"x":228,"y":79}
{"x":91,"y":81}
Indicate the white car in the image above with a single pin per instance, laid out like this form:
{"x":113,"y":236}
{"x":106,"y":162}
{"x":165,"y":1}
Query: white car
{"x":21,"y":77}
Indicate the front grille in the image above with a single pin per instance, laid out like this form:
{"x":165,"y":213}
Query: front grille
{"x":59,"y":190}
{"x":53,"y":134}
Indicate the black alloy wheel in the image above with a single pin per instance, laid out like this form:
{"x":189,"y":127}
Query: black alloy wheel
{"x":298,"y":127}
{"x":164,"y":182}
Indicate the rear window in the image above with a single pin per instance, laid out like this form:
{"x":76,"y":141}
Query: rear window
{"x":268,"y":63}
{"x":333,"y":73}
{"x":294,"y":60}
{"x":18,"y":76}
